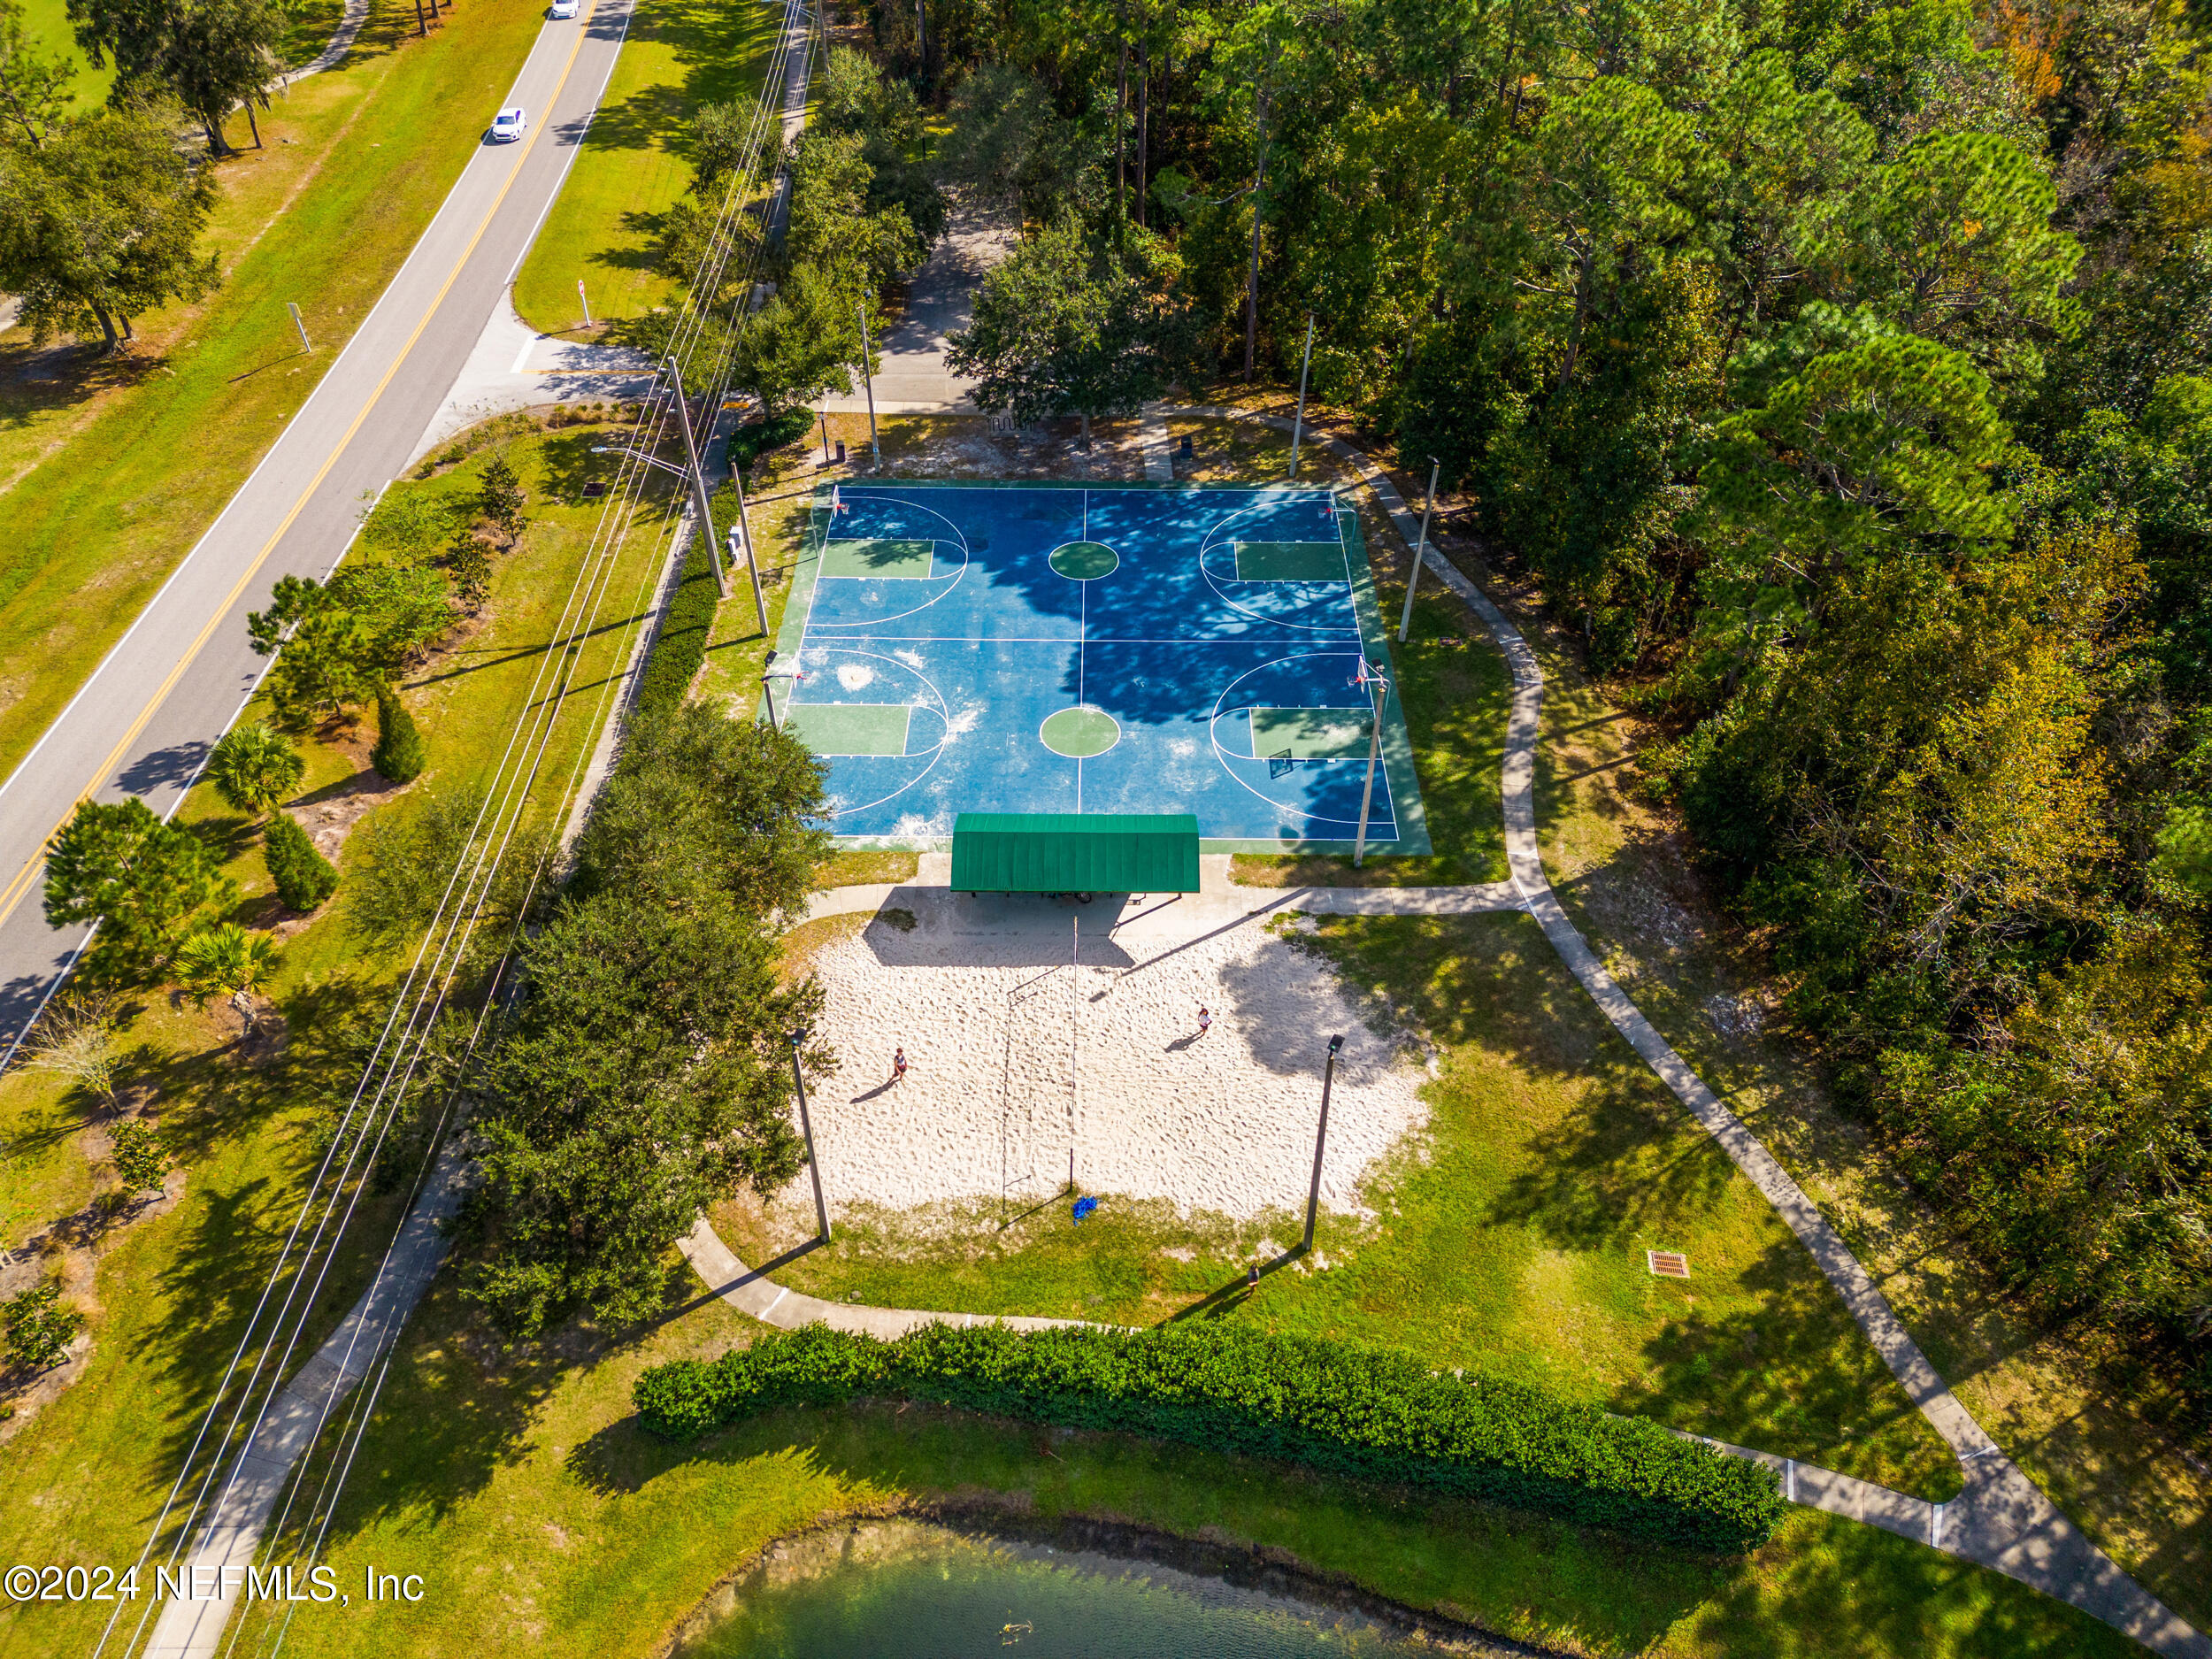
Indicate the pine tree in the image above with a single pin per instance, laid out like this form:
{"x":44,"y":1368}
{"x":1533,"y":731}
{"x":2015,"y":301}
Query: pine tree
{"x":303,"y":877}
{"x":398,"y":755}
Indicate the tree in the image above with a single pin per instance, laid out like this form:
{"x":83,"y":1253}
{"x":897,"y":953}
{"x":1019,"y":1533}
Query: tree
{"x":102,"y":222}
{"x":139,"y":878}
{"x":303,"y":877}
{"x":1884,"y":444}
{"x":343,"y":641}
{"x":721,"y":136}
{"x":35,"y":94}
{"x":804,"y":344}
{"x":227,"y":961}
{"x":499,"y":498}
{"x":76,"y":1037}
{"x":834,"y":228}
{"x":646,"y":1074}
{"x":38,"y":1330}
{"x":1011,"y":146}
{"x":254,"y":767}
{"x":1063,"y":328}
{"x":398,"y":756}
{"x":211,"y":56}
{"x":407,"y":863}
{"x":141,"y":1161}
{"x":1954,"y":241}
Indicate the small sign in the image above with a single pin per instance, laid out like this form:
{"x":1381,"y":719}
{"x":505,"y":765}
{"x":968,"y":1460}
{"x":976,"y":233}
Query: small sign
{"x":1667,"y":1263}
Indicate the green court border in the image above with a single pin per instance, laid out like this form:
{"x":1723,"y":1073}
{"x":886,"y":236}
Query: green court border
{"x":1397,"y":744}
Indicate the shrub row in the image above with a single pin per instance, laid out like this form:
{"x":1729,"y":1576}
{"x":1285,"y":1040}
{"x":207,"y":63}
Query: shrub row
{"x":682,"y":642}
{"x":1370,"y":1413}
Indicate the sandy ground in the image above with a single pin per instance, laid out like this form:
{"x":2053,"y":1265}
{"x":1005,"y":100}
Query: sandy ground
{"x":1018,"y":1054}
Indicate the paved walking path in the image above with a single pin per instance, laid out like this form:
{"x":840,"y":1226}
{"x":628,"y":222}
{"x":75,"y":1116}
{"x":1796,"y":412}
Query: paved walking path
{"x":2001,"y":1520}
{"x":913,"y":378}
{"x":341,"y":39}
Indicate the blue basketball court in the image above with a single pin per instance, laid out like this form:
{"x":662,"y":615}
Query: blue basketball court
{"x":1018,"y":649}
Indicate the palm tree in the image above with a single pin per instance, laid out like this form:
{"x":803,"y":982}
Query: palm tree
{"x":254,"y":767}
{"x":226,"y":960}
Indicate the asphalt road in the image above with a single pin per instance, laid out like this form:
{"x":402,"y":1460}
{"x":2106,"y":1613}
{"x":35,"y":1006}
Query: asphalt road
{"x":143,"y":724}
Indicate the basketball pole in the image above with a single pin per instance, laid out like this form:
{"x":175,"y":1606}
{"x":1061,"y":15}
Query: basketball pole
{"x":1298,"y":426}
{"x":1374,"y":749}
{"x":698,"y":478}
{"x":813,"y":1165}
{"x":1419,"y":548}
{"x":1320,"y":1142}
{"x":860,"y":309}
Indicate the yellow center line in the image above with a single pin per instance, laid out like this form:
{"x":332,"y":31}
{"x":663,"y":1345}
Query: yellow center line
{"x":14,"y":893}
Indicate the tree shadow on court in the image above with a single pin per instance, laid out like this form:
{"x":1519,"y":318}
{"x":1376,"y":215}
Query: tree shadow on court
{"x":1158,"y":599}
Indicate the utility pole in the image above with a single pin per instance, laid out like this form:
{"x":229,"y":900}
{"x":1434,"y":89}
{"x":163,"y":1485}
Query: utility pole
{"x":1376,"y":685}
{"x":1420,"y":547}
{"x":698,"y":479}
{"x":860,"y":309}
{"x":305,"y":343}
{"x":813,"y":1164}
{"x":1298,"y":426}
{"x":1320,"y":1140}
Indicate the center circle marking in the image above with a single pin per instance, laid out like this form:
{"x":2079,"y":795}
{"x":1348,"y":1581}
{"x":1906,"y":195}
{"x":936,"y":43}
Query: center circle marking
{"x":1080,"y":733}
{"x":1085,"y":561}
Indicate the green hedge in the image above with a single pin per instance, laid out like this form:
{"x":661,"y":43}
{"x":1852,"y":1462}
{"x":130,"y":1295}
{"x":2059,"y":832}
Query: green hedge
{"x":681,"y":645}
{"x":1371,"y":1413}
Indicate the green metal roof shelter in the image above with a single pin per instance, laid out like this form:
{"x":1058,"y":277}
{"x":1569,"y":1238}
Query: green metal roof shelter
{"x":1075,"y":852}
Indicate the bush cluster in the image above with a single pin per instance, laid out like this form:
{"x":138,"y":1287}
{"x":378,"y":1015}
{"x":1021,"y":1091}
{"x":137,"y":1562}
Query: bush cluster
{"x":681,"y":645}
{"x":303,"y":876}
{"x":1345,"y":1409}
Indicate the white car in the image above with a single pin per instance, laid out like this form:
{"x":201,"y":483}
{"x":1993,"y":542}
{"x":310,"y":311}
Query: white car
{"x":564,"y":8}
{"x":507,"y":125}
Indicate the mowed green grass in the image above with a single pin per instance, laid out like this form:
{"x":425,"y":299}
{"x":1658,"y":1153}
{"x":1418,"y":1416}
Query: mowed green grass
{"x":87,"y":1475}
{"x":541,"y":1519}
{"x":633,"y":167}
{"x":104,"y":498}
{"x":46,"y":23}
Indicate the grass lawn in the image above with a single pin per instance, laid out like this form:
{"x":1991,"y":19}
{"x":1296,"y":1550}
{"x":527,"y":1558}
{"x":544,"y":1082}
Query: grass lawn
{"x":46,"y":23}
{"x":633,"y":167}
{"x":111,"y":471}
{"x":519,"y":1485}
{"x":171,"y":1291}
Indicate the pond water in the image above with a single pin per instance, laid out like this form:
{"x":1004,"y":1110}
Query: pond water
{"x":901,"y":1590}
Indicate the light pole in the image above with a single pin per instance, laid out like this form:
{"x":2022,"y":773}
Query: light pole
{"x":821,"y":1209}
{"x":713,"y":552}
{"x":1298,"y":426}
{"x":698,"y":478}
{"x":752,"y":565}
{"x":1320,"y":1140}
{"x":1376,"y":685}
{"x":860,"y":309}
{"x":1419,"y":548}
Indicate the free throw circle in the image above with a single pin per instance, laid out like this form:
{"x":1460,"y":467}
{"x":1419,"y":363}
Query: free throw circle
{"x":1080,"y":733}
{"x":1085,"y":561}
